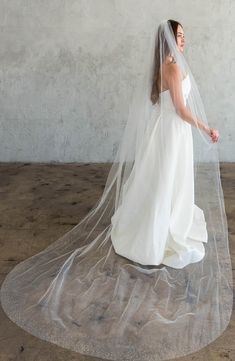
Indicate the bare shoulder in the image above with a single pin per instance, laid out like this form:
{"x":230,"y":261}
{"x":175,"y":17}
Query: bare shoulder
{"x":174,"y":71}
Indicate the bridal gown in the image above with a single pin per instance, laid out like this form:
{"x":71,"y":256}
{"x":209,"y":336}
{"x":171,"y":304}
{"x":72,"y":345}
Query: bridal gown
{"x":158,"y":221}
{"x":79,"y":294}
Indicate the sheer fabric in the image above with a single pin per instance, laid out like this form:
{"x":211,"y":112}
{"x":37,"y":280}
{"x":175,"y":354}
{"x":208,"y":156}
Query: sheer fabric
{"x":146,"y":275}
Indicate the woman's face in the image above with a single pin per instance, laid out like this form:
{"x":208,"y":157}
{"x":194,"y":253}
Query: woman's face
{"x":180,"y":38}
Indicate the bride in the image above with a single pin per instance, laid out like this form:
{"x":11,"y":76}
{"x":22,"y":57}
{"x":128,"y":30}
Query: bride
{"x":164,"y":225}
{"x":146,"y":274}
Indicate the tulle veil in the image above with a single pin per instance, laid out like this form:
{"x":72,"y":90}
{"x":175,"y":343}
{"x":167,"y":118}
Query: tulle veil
{"x":81,"y":295}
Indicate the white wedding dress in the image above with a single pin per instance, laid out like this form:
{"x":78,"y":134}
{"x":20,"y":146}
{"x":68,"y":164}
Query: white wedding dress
{"x":158,"y":221}
{"x":125,"y":283}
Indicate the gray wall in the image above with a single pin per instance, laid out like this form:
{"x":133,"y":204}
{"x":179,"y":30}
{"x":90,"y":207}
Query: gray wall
{"x":67,"y":68}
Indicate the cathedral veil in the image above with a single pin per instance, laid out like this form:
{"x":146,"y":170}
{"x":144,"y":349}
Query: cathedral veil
{"x":81,"y":295}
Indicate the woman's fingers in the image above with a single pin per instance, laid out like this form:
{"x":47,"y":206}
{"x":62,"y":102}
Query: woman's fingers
{"x":214,"y":135}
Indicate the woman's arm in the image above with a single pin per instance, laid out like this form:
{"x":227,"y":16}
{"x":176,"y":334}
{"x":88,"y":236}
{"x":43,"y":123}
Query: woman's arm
{"x":175,"y":86}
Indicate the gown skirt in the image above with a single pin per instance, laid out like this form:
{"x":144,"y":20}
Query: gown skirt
{"x":157,"y":221}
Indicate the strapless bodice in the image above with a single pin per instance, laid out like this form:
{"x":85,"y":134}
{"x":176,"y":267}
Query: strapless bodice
{"x":186,"y":86}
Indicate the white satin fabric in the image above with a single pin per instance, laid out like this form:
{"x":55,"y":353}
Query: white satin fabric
{"x":158,"y":221}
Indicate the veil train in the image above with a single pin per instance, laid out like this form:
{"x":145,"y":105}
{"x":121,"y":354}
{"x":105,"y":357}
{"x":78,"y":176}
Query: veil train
{"x":82,"y":295}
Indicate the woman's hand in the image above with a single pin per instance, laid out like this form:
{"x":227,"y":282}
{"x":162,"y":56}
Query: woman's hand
{"x":214,"y":134}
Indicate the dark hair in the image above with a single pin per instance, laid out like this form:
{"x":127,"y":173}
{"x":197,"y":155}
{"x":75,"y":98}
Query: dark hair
{"x":155,"y":91}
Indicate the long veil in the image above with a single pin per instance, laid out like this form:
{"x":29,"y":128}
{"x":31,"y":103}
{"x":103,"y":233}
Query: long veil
{"x":80,"y":294}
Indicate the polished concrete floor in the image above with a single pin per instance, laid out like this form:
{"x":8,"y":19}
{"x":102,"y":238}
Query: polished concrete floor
{"x":39,"y":203}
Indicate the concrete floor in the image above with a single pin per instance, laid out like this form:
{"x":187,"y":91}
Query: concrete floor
{"x":39,"y":203}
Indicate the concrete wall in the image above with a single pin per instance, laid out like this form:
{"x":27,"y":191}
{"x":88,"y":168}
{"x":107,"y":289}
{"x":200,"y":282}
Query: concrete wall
{"x":67,"y":68}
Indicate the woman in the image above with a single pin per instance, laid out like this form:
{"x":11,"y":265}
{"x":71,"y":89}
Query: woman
{"x":80,"y":294}
{"x":164,"y":226}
